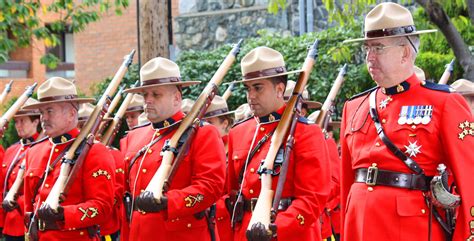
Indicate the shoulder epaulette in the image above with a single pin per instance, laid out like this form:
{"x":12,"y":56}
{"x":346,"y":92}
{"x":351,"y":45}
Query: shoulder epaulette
{"x":140,"y":126}
{"x":437,"y":87}
{"x":363,"y":93}
{"x":39,"y":141}
{"x":304,"y":120}
{"x":242,"y":121}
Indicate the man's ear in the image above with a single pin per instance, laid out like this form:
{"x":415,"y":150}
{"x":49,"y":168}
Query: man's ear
{"x":280,"y":89}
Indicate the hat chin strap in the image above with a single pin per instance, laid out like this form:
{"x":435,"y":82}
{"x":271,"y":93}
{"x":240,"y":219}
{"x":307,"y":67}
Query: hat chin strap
{"x":411,"y":43}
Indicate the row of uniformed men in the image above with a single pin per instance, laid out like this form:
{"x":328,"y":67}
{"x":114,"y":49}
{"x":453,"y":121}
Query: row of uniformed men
{"x":203,"y":179}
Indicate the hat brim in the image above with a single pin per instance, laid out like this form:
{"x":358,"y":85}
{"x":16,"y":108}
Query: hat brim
{"x":29,"y":114}
{"x":221,"y":114}
{"x":78,"y":100}
{"x":393,"y":36}
{"x":141,"y":88}
{"x":266,"y":77}
{"x":313,"y":104}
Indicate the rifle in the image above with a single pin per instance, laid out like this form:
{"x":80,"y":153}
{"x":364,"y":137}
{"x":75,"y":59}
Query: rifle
{"x":447,"y":73}
{"x":11,"y":195}
{"x":111,"y":109}
{"x":324,"y":114}
{"x":174,"y":150}
{"x":5,"y":92}
{"x":16,"y":107}
{"x":264,"y":213}
{"x":228,"y":91}
{"x":114,"y":127}
{"x":74,"y":157}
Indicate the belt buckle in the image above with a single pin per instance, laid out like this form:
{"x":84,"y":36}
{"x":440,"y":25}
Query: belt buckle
{"x":372,"y":173}
{"x":41,"y":225}
{"x":253,"y":202}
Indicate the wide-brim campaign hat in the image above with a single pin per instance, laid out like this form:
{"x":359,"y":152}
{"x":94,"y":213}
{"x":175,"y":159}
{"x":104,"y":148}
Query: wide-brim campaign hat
{"x":243,"y":112}
{"x":261,"y":63}
{"x":463,"y":87}
{"x":217,"y":108}
{"x":290,"y":85}
{"x":136,"y":104}
{"x":57,"y":90}
{"x":388,"y":20}
{"x":85,"y":111}
{"x":186,"y":105}
{"x":160,"y":72}
{"x":30,"y":112}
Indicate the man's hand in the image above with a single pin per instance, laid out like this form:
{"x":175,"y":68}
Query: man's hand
{"x":9,"y":206}
{"x":146,"y":202}
{"x":49,"y":215}
{"x":258,"y":232}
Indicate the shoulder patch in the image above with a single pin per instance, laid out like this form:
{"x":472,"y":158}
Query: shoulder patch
{"x":437,"y":87}
{"x":363,"y":93}
{"x":242,"y":121}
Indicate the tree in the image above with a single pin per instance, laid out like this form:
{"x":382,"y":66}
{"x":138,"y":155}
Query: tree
{"x":21,"y":21}
{"x":446,"y":15}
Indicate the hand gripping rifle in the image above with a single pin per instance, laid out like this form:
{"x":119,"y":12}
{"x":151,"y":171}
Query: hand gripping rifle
{"x":16,"y":107}
{"x":114,"y":127}
{"x":447,"y":73}
{"x":74,"y":157}
{"x":5,"y":92}
{"x":228,"y":91}
{"x":264,"y":213}
{"x":111,"y":109}
{"x":325,"y":113}
{"x":12,"y":194}
{"x":175,"y":148}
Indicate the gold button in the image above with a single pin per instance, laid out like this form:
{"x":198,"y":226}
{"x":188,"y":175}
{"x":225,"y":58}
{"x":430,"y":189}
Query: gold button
{"x":4,"y":165}
{"x":157,"y":134}
{"x":172,"y":220}
{"x":31,"y":174}
{"x":384,"y":121}
{"x":189,"y":225}
{"x":46,"y":185}
{"x":13,"y":172}
{"x":252,"y":170}
{"x":413,"y":127}
{"x":56,"y":150}
{"x":423,"y":211}
{"x":262,"y":129}
{"x":126,"y":158}
{"x":22,"y":148}
{"x":377,"y":144}
{"x":81,"y":233}
{"x":142,"y":190}
{"x":370,"y":189}
{"x":150,"y":151}
{"x":472,"y":211}
{"x":144,"y":170}
{"x":235,"y":157}
{"x":251,"y":191}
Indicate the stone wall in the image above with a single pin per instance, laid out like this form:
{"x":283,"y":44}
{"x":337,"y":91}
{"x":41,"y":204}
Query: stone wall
{"x":206,"y":24}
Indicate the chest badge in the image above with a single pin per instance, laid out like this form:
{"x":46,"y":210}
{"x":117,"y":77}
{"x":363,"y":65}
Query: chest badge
{"x":412,"y":149}
{"x":383,"y":104}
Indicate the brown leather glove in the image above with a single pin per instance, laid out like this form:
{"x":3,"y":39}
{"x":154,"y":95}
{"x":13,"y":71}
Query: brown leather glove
{"x":9,"y":206}
{"x":147,"y":202}
{"x":258,"y":232}
{"x":48,"y":215}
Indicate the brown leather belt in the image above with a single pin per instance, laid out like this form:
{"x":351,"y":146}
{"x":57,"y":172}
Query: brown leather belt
{"x":249,"y":204}
{"x":373,"y":176}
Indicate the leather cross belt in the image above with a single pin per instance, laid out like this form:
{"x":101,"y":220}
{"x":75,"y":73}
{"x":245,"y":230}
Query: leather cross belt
{"x":373,"y":176}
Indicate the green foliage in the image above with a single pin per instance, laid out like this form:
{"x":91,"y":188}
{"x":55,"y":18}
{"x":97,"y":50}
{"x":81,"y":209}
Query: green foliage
{"x":20,"y":22}
{"x":275,"y":5}
{"x":10,"y":135}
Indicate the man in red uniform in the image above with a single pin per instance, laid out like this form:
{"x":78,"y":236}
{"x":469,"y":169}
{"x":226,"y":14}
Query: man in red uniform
{"x":386,"y":177}
{"x":90,"y":198}
{"x":218,"y":114}
{"x":26,"y":124}
{"x":199,"y":180}
{"x":307,"y":183}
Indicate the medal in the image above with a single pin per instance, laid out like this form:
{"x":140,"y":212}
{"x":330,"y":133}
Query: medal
{"x":402,"y":120}
{"x":428,"y":111}
{"x":412,"y":149}
{"x":411,"y":112}
{"x":418,"y":114}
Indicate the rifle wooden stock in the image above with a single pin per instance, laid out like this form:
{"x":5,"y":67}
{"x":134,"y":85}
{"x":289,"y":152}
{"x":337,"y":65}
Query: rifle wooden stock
{"x":228,"y":91}
{"x":325,"y":112}
{"x":5,"y":92}
{"x":113,"y":128}
{"x":17,"y":184}
{"x":16,"y":106}
{"x":162,"y":175}
{"x":113,"y":104}
{"x":447,"y":73}
{"x":74,"y":157}
{"x":263,"y":208}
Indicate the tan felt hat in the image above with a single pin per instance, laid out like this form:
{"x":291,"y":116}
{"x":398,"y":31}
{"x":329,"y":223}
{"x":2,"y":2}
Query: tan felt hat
{"x":136,"y":104}
{"x":463,"y":87}
{"x":290,"y":85}
{"x":29,"y":112}
{"x":218,"y":107}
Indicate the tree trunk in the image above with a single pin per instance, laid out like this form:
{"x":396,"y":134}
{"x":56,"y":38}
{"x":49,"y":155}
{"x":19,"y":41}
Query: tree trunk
{"x":470,"y":9}
{"x":439,"y":17}
{"x":154,"y":38}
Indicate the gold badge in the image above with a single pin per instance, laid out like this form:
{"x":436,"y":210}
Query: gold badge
{"x":300,"y":219}
{"x":63,"y":139}
{"x":271,"y":117}
{"x":166,"y":123}
{"x":101,"y":172}
{"x":192,"y":200}
{"x":467,"y":128}
{"x":400,"y":88}
{"x":86,"y":214}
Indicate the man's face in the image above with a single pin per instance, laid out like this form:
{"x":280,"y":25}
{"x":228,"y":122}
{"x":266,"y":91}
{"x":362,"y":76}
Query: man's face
{"x":132,"y":119}
{"x":25,"y":127}
{"x":263,"y":96}
{"x":161,"y":102}
{"x":222,"y":125}
{"x":58,"y":118}
{"x":384,"y":59}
